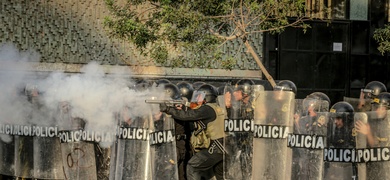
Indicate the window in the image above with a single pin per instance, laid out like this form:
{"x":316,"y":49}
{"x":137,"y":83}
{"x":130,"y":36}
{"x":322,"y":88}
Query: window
{"x":329,"y":9}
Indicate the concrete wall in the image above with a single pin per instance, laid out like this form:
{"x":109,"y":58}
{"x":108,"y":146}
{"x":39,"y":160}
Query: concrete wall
{"x":69,"y":33}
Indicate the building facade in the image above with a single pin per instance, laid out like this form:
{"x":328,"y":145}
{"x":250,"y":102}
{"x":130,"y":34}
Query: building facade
{"x":338,"y":57}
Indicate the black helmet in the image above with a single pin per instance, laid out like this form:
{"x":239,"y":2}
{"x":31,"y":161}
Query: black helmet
{"x":245,"y":85}
{"x":221,"y":90}
{"x":186,"y":89}
{"x":382,"y":99}
{"x":319,"y":95}
{"x":211,"y":92}
{"x":342,"y":108}
{"x":286,"y":85}
{"x":162,"y":82}
{"x":197,"y":84}
{"x":373,"y":89}
{"x":141,"y":85}
{"x":321,"y":101}
{"x":172,"y":91}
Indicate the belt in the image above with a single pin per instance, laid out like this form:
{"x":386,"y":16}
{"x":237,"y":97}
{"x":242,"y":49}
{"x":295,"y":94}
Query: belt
{"x":180,"y":137}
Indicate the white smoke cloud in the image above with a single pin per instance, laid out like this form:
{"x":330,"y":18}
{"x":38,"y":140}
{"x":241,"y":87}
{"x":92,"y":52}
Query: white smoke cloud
{"x":15,"y":108}
{"x":92,"y":95}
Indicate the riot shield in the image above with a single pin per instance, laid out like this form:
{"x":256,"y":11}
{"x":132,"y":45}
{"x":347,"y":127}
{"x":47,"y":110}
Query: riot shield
{"x":24,"y":156}
{"x":24,"y":144}
{"x":47,"y":150}
{"x":298,"y":108}
{"x":273,"y":118}
{"x":376,"y":155}
{"x":359,"y":105}
{"x":361,"y":143}
{"x":7,"y":155}
{"x":239,"y":128}
{"x":163,"y":148}
{"x":78,"y":157}
{"x":308,"y":138}
{"x":130,"y":156}
{"x":47,"y":157}
{"x":340,"y":147}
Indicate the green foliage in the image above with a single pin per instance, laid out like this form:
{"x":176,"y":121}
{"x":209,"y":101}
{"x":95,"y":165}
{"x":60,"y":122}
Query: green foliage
{"x":191,"y":33}
{"x":382,"y":36}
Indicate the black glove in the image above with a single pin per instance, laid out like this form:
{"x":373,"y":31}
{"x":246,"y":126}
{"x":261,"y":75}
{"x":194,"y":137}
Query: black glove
{"x":164,"y":107}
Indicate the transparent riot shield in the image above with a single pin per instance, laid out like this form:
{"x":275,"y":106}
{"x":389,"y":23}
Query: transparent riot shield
{"x":24,"y":156}
{"x":163,"y":148}
{"x":47,"y":149}
{"x":273,"y":119}
{"x":47,"y":156}
{"x":339,"y":152}
{"x":308,"y":138}
{"x":7,"y":155}
{"x":361,"y":143}
{"x":24,"y":144}
{"x":307,"y":143}
{"x":78,"y":157}
{"x":376,"y":155}
{"x":103,"y":159}
{"x":359,"y":105}
{"x":130,"y":157}
{"x":238,"y":102}
{"x":298,"y":108}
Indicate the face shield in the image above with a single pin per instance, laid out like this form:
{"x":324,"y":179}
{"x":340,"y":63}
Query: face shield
{"x":376,"y":106}
{"x":31,"y":90}
{"x":379,"y":109}
{"x":198,"y":97}
{"x":282,"y":88}
{"x":310,"y":104}
{"x":339,"y":119}
{"x":368,"y":93}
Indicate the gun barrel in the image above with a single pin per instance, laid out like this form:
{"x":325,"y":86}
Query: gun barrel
{"x":152,"y":101}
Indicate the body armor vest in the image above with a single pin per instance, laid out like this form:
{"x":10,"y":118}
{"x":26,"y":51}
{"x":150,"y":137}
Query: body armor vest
{"x":215,"y":128}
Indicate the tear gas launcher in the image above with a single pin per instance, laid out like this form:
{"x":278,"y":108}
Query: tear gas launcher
{"x":171,"y":103}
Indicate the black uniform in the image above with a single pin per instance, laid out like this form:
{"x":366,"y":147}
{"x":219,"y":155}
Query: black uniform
{"x":183,"y":146}
{"x":204,"y":160}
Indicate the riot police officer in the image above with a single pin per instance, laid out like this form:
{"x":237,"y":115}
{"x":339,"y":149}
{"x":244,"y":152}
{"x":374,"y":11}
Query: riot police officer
{"x":242,"y":96}
{"x":209,"y":114}
{"x":314,"y":103}
{"x":343,"y":125}
{"x":273,"y":110}
{"x":372,"y":89}
{"x":340,"y":135}
{"x":186,"y":89}
{"x":312,"y":122}
{"x":183,"y":131}
{"x":378,"y":134}
{"x":238,"y":102}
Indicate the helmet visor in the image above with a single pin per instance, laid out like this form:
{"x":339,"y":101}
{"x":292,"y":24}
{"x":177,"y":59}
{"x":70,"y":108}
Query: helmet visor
{"x":368,"y":93}
{"x":282,"y":88}
{"x":198,"y":96}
